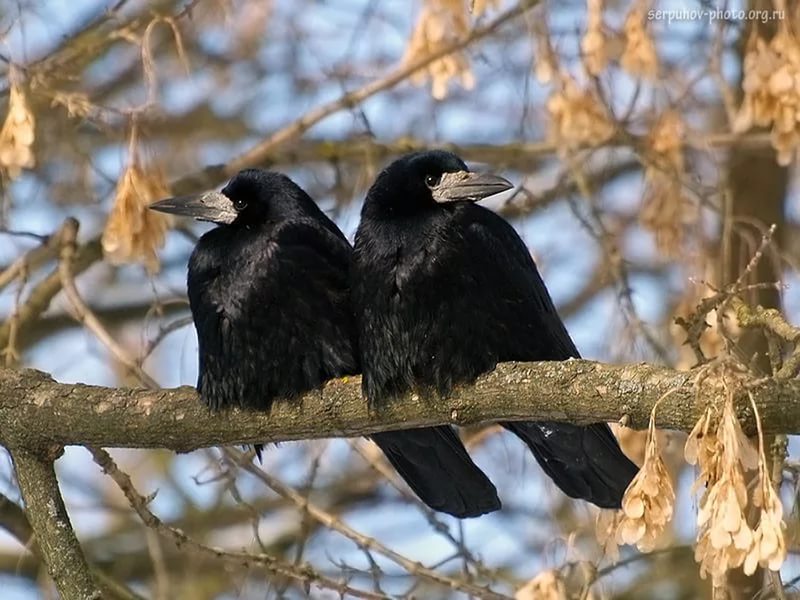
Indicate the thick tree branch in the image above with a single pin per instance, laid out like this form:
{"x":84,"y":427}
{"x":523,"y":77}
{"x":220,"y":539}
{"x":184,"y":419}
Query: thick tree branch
{"x":14,"y":520}
{"x":36,"y":411}
{"x":54,"y":534}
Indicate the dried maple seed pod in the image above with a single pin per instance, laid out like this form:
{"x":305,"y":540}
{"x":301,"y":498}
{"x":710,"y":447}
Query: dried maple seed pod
{"x":771,"y":86}
{"x":17,"y":134}
{"x":440,"y":23}
{"x":665,"y":209}
{"x":133,"y":233}
{"x":577,"y":117}
{"x":547,"y":585}
{"x":594,"y":43}
{"x":639,"y":58}
{"x":649,"y":500}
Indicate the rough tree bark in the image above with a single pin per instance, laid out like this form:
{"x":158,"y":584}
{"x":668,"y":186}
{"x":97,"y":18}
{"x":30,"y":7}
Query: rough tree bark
{"x":37,"y":412}
{"x":54,"y":533}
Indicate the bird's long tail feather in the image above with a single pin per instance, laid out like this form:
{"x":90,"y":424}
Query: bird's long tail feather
{"x":585,"y":462}
{"x":435,"y":464}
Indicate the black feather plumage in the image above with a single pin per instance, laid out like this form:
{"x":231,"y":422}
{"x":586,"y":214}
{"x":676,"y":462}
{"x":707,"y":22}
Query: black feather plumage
{"x":269,"y":297}
{"x":443,"y":291}
{"x":269,"y":294}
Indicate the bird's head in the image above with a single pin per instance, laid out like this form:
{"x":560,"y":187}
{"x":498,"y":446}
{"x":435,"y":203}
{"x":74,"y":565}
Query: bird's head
{"x":252,"y":197}
{"x":422,"y":180}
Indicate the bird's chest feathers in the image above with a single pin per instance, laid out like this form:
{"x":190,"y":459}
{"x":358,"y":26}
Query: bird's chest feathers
{"x":405,"y":301}
{"x":400,"y":283}
{"x":239,"y":289}
{"x":407,"y":269}
{"x":411,"y":261}
{"x":240,"y":279}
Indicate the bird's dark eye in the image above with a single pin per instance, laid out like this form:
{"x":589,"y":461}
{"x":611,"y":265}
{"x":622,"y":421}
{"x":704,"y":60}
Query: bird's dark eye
{"x":432,"y":180}
{"x":239,"y":204}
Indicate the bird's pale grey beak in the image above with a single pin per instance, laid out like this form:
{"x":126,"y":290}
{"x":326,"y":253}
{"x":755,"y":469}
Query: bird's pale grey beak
{"x":208,"y":206}
{"x":466,"y":185}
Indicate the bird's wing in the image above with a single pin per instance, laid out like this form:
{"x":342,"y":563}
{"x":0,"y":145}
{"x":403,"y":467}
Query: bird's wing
{"x":585,"y":462}
{"x":510,"y":292}
{"x":275,"y":321}
{"x":309,"y":279}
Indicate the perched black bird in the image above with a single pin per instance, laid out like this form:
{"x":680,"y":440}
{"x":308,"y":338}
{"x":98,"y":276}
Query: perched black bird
{"x":445,"y":289}
{"x":269,"y":294}
{"x":268,"y":291}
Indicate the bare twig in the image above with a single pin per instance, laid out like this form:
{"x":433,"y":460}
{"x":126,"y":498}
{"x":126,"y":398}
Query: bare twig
{"x":43,"y":293}
{"x":302,"y":572}
{"x":362,"y":541}
{"x":14,"y":520}
{"x":616,"y":262}
{"x":381,"y":467}
{"x":33,"y":258}
{"x":163,"y":332}
{"x":82,"y":312}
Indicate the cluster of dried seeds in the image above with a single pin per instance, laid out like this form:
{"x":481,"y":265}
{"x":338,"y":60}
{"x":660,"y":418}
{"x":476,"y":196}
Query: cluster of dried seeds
{"x":633,"y":47}
{"x":606,"y":527}
{"x":547,"y":585}
{"x":545,"y":63}
{"x":639,"y":57}
{"x":133,"y":233}
{"x":440,"y":23}
{"x":17,"y":134}
{"x":666,"y":210}
{"x":649,"y":500}
{"x":647,"y":505}
{"x":769,"y":544}
{"x":594,"y":46}
{"x":771,"y":86}
{"x":723,"y":455}
{"x":577,"y":116}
